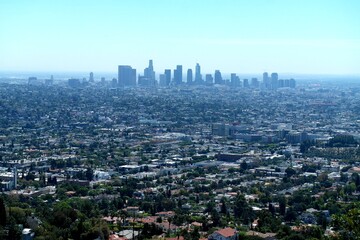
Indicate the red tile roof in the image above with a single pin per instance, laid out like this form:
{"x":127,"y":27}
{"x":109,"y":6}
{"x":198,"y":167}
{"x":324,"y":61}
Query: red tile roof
{"x":226,"y":232}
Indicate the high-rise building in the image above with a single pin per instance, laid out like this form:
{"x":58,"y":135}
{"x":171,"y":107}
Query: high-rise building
{"x":148,"y":79}
{"x":49,"y":82}
{"x":234,"y":80}
{"x":114,"y":82}
{"x":198,"y":77}
{"x":292,"y":83}
{"x":246,"y":83}
{"x":167,"y":73}
{"x":217,"y":77}
{"x":126,"y":76}
{"x":254,"y":83}
{"x":189,"y":76}
{"x":74,"y":82}
{"x":232,"y":77}
{"x":274,"y":80}
{"x":149,"y":71}
{"x":34,"y":81}
{"x":287,"y":83}
{"x":209,"y":79}
{"x":281,"y":83}
{"x":178,"y":75}
{"x":266,"y":81}
{"x":162,"y":80}
{"x":91,"y":77}
{"x":146,"y":82}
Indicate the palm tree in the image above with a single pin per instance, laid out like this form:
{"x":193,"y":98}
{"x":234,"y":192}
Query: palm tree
{"x":170,"y":219}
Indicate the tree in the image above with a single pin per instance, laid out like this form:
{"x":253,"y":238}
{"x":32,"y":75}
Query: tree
{"x":89,"y":174}
{"x":210,"y":206}
{"x":184,"y":232}
{"x":243,"y":165}
{"x":2,"y":213}
{"x":348,"y":225}
{"x":271,"y":209}
{"x":282,"y":205}
{"x":284,"y":230}
{"x":294,"y":236}
{"x":99,"y":230}
{"x":290,"y":172}
{"x":150,"y":230}
{"x":223,"y":209}
{"x":305,"y":145}
{"x":322,"y":221}
{"x":342,"y":141}
{"x":267,"y":222}
{"x":30,"y":177}
{"x":356,"y":179}
{"x":343,"y":177}
{"x":242,"y":209}
{"x":194,"y":234}
{"x":215,"y":217}
{"x":14,"y":231}
{"x":290,"y":215}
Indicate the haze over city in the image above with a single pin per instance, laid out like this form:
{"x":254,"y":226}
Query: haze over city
{"x":179,"y":119}
{"x":305,"y":37}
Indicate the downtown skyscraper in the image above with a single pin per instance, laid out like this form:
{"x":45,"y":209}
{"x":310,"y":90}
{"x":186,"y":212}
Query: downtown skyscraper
{"x":198,"y":77}
{"x":126,"y":76}
{"x":189,"y":76}
{"x":178,"y":75}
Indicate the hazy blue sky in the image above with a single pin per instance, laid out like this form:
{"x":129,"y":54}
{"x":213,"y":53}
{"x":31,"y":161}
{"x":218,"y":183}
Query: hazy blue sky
{"x":293,"y":36}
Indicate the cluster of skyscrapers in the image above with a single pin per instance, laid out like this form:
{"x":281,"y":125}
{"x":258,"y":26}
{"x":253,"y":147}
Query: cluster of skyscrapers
{"x":273,"y":81}
{"x":127,"y":77}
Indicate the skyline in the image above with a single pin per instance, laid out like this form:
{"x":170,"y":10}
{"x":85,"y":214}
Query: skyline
{"x":232,"y":36}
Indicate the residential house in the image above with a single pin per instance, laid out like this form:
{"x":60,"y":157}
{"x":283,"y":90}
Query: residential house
{"x":223,"y":234}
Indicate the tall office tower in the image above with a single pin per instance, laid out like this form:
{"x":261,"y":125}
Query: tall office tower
{"x":114,"y":82}
{"x":148,"y":79}
{"x":292,"y":83}
{"x":149,"y":71}
{"x":287,"y":83}
{"x":189,"y":77}
{"x":234,"y":80}
{"x":33,"y":81}
{"x":232,"y":77}
{"x":49,"y":82}
{"x":198,"y":77}
{"x":126,"y":76}
{"x":209,"y":79}
{"x":281,"y":83}
{"x":162,"y":80}
{"x":255,"y":83}
{"x":246,"y":83}
{"x":91,"y":77}
{"x":146,"y":82}
{"x":218,"y":78}
{"x":266,"y":81}
{"x":74,"y":82}
{"x":178,"y":75}
{"x":274,"y":80}
{"x":167,"y":73}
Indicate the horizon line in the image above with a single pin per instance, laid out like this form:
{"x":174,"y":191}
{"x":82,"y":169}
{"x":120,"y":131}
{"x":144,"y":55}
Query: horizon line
{"x":160,"y":72}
